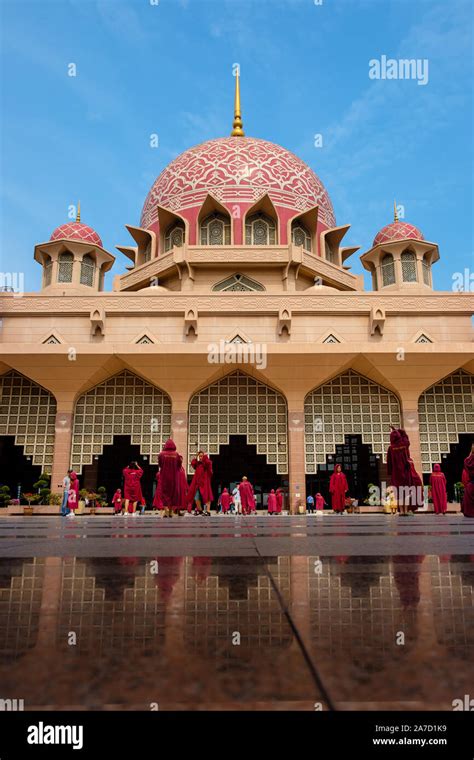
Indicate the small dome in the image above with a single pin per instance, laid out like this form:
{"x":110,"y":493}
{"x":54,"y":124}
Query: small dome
{"x":397,"y":231}
{"x":76,"y":231}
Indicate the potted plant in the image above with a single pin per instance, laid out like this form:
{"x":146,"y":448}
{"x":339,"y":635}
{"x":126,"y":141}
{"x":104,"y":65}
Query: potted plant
{"x":101,"y":497}
{"x":92,"y":498}
{"x":4,"y":496}
{"x":82,"y":500}
{"x":44,"y":491}
{"x":459,"y":491}
{"x":55,"y":499}
{"x":30,"y":498}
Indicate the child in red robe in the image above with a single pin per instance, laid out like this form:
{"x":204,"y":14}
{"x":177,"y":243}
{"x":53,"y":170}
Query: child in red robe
{"x":117,"y":501}
{"x":272,"y":502}
{"x":224,"y":501}
{"x":132,"y":489}
{"x":200,"y":489}
{"x":438,"y":490}
{"x":319,"y":503}
{"x":338,"y":488}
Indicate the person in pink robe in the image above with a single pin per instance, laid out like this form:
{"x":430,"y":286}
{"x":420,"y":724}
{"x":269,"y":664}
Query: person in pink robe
{"x":170,"y":464}
{"x":402,"y":472}
{"x":246,"y":496}
{"x":117,"y":501}
{"x":468,"y":498}
{"x":438,"y":490}
{"x":224,"y":500}
{"x":200,"y":489}
{"x":279,"y":500}
{"x":319,"y":502}
{"x":132,"y":490}
{"x":272,"y":502}
{"x":338,"y":488}
{"x":73,"y":497}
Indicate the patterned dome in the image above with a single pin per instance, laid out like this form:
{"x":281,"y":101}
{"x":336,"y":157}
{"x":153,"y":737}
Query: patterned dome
{"x":397,"y":231}
{"x":237,"y":170}
{"x":76,"y":231}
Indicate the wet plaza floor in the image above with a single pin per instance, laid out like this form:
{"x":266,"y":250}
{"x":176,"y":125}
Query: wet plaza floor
{"x":300,"y":613}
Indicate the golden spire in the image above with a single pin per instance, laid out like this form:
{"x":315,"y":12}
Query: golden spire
{"x":395,"y":212}
{"x":78,"y":215}
{"x":237,"y":130}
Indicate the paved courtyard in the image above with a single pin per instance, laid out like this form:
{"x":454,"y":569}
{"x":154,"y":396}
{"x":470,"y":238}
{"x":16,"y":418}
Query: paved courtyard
{"x":290,"y":612}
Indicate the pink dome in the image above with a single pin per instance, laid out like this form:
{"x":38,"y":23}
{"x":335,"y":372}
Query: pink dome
{"x":397,"y":231}
{"x":76,"y":231}
{"x":237,"y":170}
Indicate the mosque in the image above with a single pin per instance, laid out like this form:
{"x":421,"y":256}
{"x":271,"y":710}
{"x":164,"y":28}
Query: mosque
{"x":237,"y":328}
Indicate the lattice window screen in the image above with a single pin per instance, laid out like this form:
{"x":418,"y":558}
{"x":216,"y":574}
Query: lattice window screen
{"x":240,"y":405}
{"x":123,"y":405}
{"x":445,"y":411}
{"x":28,"y":412}
{"x":349,"y":404}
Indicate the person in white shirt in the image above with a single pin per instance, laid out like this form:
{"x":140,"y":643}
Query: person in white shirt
{"x":237,"y":500}
{"x":66,"y":484}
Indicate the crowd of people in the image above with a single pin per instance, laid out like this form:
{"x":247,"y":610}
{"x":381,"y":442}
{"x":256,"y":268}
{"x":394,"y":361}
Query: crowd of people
{"x":173,"y":495}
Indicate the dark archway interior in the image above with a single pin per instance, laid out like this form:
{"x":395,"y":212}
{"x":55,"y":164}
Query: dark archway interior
{"x":16,"y":470}
{"x":359,"y":464}
{"x":106,"y":470}
{"x":452,"y":463}
{"x":238,"y":458}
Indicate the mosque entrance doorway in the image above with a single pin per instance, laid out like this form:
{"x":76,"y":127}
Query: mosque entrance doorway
{"x":238,"y":458}
{"x":17,"y":470}
{"x":106,"y":469}
{"x":360,"y":465}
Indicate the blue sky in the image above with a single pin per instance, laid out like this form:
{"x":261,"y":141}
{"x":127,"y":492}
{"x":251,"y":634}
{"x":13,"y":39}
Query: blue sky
{"x":167,"y":69}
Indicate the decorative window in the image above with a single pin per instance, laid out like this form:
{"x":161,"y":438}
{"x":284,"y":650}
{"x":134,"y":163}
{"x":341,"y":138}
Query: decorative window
{"x":331,"y":254}
{"x":260,"y":229}
{"x":47,"y":272}
{"x":147,"y":254}
{"x":65,"y":265}
{"x":331,"y":339}
{"x":52,"y":341}
{"x":174,"y":237}
{"x":87,"y":270}
{"x":215,"y":230}
{"x":238,"y":282}
{"x":388,"y":270}
{"x":423,"y":339}
{"x":300,"y":236}
{"x":144,"y":340}
{"x":426,"y":271}
{"x":408,"y":260}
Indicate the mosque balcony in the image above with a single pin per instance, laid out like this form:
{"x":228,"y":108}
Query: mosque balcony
{"x":184,"y":260}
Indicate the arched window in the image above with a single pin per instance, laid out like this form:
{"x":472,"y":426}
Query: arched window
{"x":174,"y":237}
{"x":331,"y":254}
{"x":147,"y":254}
{"x":215,"y":230}
{"x":65,"y":265}
{"x":47,"y":272}
{"x":260,"y":229}
{"x":388,"y":270}
{"x":87,"y":270}
{"x":300,"y":236}
{"x":408,"y":260}
{"x":426,"y":271}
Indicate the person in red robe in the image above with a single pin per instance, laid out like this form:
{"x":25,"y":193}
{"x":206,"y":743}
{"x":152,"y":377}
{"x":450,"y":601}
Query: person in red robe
{"x":132,"y":490}
{"x":338,"y":488}
{"x":224,"y":500}
{"x":200,"y":490}
{"x":246,"y":496}
{"x":157,"y":500}
{"x":279,"y":500}
{"x":438,"y":490}
{"x":73,"y":496}
{"x":272,"y":502}
{"x":402,"y":472}
{"x":170,"y":465}
{"x":319,"y":502}
{"x":117,"y":501}
{"x":467,"y":507}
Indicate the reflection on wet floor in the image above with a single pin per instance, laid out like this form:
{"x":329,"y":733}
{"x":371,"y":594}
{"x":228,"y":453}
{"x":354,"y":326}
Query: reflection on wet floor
{"x":287,"y":632}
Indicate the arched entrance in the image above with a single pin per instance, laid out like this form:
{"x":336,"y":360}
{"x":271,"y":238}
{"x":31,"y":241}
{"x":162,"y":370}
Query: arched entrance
{"x":349,"y":406}
{"x":18,"y":471}
{"x":124,"y":412}
{"x":241,"y":408}
{"x":238,"y":458}
{"x":360,"y":465}
{"x":446,"y":412}
{"x":106,"y":469}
